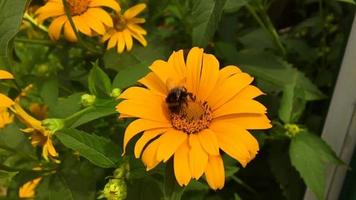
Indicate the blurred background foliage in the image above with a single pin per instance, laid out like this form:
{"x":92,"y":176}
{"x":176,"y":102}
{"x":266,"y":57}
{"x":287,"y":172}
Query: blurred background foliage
{"x":293,"y":48}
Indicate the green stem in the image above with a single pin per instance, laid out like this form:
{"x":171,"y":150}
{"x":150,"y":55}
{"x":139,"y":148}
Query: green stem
{"x":80,"y":41}
{"x":34,"y":22}
{"x":267,"y":25}
{"x":69,"y":121}
{"x":35,"y":41}
{"x":172,"y":191}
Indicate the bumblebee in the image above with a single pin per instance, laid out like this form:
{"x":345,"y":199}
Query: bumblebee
{"x":177,"y":98}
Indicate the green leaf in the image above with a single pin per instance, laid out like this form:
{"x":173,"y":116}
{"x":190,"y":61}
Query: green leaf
{"x":101,"y":109}
{"x":98,"y":150}
{"x":59,"y":189}
{"x":66,"y":106}
{"x":206,"y":15}
{"x":348,"y":1}
{"x":99,"y":82}
{"x":11,"y":13}
{"x":6,"y":177}
{"x":49,"y":92}
{"x":234,"y":5}
{"x":310,"y":155}
{"x":134,"y":64}
{"x":172,"y":191}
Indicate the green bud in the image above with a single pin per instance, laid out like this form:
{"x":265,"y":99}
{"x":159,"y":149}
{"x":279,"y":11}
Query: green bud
{"x":42,"y":69}
{"x":292,"y":130}
{"x":115,"y":92}
{"x":53,"y":124}
{"x":122,"y":171}
{"x":115,"y":189}
{"x":88,"y":100}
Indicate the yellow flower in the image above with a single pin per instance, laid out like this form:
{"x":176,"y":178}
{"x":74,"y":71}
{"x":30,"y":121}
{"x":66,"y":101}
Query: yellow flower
{"x":209,"y":110}
{"x":27,"y":190}
{"x":4,"y":100}
{"x":88,"y":16}
{"x":40,"y":136}
{"x":125,"y":27}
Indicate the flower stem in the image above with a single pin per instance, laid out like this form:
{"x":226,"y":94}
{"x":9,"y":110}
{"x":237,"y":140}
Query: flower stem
{"x":34,"y":22}
{"x":69,"y":121}
{"x":171,"y":190}
{"x":35,"y":41}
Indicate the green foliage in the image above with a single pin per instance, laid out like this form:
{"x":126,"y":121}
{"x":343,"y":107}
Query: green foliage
{"x":310,"y":155}
{"x":98,"y":150}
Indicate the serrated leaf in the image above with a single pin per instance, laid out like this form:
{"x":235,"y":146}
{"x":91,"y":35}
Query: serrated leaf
{"x":99,"y":82}
{"x":11,"y":13}
{"x":206,"y":15}
{"x":98,"y":150}
{"x":310,"y":155}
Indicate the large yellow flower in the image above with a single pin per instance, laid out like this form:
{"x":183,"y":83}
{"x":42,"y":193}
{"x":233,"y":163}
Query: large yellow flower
{"x":218,"y":111}
{"x":125,"y":28}
{"x":88,"y":16}
{"x":40,"y":136}
{"x":27,"y":190}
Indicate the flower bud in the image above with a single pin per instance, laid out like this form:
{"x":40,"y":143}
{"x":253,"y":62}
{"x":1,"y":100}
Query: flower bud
{"x":53,"y":124}
{"x":122,"y":171}
{"x":115,"y":189}
{"x":115,"y":92}
{"x":292,"y":130}
{"x":87,"y":100}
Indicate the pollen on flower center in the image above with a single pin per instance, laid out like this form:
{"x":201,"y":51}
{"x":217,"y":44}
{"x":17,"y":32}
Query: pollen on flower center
{"x":194,"y":117}
{"x":77,"y":7}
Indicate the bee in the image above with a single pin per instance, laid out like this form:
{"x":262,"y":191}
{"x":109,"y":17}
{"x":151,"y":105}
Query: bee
{"x":177,"y":99}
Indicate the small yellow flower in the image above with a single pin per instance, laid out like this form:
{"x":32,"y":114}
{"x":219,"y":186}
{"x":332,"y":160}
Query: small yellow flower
{"x":88,"y":16}
{"x":209,"y":110}
{"x":125,"y":28}
{"x":27,"y":190}
{"x":40,"y":136}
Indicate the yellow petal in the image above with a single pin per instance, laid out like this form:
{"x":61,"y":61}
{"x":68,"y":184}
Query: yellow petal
{"x":155,"y":112}
{"x":5,"y":75}
{"x":169,"y":142}
{"x":112,"y":41}
{"x":54,"y":30}
{"x":198,"y":158}
{"x":209,"y":142}
{"x":164,"y":70}
{"x":120,"y":42}
{"x":249,"y":92}
{"x":82,"y":25}
{"x":107,"y":3}
{"x":235,"y":141}
{"x":177,"y":61}
{"x":149,"y":155}
{"x":247,"y":121}
{"x":209,"y":76}
{"x":50,"y":148}
{"x":136,"y":29}
{"x":27,"y":190}
{"x":138,"y":126}
{"x":140,"y":94}
{"x":145,"y":138}
{"x":228,"y":89}
{"x":5,"y":101}
{"x":228,"y":71}
{"x":128,"y":39}
{"x":182,"y":170}
{"x":134,"y":10}
{"x":138,"y":20}
{"x":139,"y":38}
{"x":69,"y":33}
{"x":94,"y":22}
{"x":215,"y":173}
{"x":239,"y":106}
{"x":49,"y":10}
{"x":194,"y":62}
{"x":153,"y":82}
{"x":101,"y":15}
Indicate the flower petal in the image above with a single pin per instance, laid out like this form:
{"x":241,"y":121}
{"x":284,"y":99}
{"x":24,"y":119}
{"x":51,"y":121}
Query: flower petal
{"x":182,"y":170}
{"x":139,"y":93}
{"x":107,"y":3}
{"x":209,"y":76}
{"x":101,"y":15}
{"x":54,"y":30}
{"x":69,"y":33}
{"x":128,"y":39}
{"x":239,"y":106}
{"x":149,"y":155}
{"x":215,"y":173}
{"x":194,"y":62}
{"x":154,"y":83}
{"x":164,"y":70}
{"x":5,"y":75}
{"x":94,"y":23}
{"x":120,"y":42}
{"x":5,"y":101}
{"x":134,"y":11}
{"x":177,"y":61}
{"x":228,"y":89}
{"x":138,"y":126}
{"x":247,"y":121}
{"x":81,"y":25}
{"x":112,"y":41}
{"x":209,"y":142}
{"x":145,"y":138}
{"x":249,"y":92}
{"x":198,"y":158}
{"x":169,"y":142}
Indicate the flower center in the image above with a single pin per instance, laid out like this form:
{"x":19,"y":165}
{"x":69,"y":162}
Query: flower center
{"x":120,"y":22}
{"x":77,"y":7}
{"x":193,"y":117}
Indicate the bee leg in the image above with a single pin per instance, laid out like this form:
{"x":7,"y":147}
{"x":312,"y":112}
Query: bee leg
{"x":191,"y":96}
